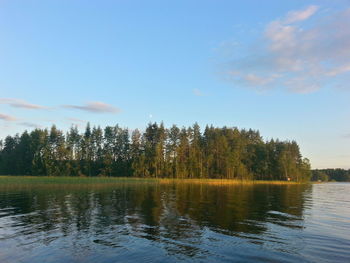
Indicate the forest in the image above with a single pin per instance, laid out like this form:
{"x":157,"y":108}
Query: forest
{"x":157,"y":152}
{"x":338,"y":175}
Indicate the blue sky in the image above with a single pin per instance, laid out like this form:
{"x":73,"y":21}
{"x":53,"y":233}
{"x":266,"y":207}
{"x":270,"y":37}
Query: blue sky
{"x":282,"y":67}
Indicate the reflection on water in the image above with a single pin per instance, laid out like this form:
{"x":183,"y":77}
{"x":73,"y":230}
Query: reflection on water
{"x":171,"y":222}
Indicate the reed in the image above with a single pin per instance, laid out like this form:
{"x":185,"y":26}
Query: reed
{"x":45,"y":180}
{"x":223,"y":181}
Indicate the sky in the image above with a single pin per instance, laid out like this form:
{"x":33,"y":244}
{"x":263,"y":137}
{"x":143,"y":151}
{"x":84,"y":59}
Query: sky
{"x":281,"y":67}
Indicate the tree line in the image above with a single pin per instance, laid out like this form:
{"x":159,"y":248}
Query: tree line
{"x":339,"y":175}
{"x":157,"y":152}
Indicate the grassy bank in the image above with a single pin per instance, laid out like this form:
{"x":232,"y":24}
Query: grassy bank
{"x":44,"y":180}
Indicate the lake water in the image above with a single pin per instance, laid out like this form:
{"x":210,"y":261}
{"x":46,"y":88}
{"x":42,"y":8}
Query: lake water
{"x":152,"y":222}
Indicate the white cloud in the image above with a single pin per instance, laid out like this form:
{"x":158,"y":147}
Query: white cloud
{"x":297,"y":16}
{"x":5,"y":117}
{"x":297,"y":55}
{"x":95,"y":107}
{"x":17,"y":103}
{"x":339,"y":70}
{"x":198,"y":92}
{"x":257,"y":80}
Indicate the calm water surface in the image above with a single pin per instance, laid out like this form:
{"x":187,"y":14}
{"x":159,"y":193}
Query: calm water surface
{"x":151,"y":222}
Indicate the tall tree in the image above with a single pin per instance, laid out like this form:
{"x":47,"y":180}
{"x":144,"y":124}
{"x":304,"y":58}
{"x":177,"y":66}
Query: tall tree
{"x":157,"y":152}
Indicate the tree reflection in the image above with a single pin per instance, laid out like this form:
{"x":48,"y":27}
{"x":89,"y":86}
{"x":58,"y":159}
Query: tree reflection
{"x":174,"y":217}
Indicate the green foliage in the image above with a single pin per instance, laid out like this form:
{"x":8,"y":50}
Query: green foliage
{"x":339,"y":175}
{"x":222,"y":153}
{"x":319,"y":176}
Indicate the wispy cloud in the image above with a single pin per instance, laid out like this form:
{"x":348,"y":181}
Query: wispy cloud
{"x":75,"y":120}
{"x":5,"y":117}
{"x":17,"y":103}
{"x":346,"y":136}
{"x":95,"y":107}
{"x":297,"y":52}
{"x":198,"y":92}
{"x":29,"y":124}
{"x":297,"y":16}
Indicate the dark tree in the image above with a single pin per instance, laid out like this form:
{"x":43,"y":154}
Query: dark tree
{"x":158,"y":152}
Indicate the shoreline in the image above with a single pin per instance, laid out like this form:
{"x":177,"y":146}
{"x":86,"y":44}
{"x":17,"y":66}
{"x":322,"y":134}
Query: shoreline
{"x":23,"y":180}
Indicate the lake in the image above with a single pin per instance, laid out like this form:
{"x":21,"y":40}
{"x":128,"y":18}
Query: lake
{"x":153,"y":222}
